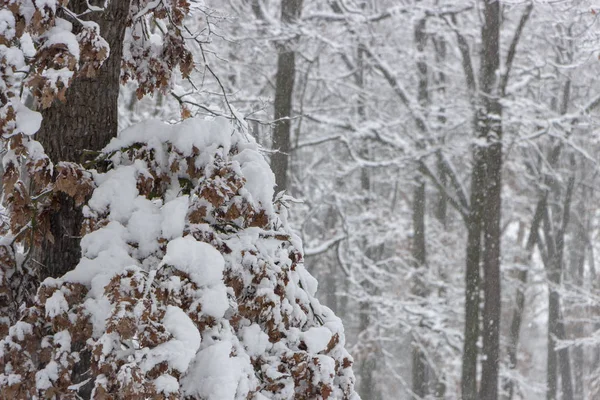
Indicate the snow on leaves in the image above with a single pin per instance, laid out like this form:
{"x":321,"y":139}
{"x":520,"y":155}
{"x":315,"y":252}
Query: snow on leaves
{"x":190,"y":285}
{"x":44,"y":46}
{"x":42,"y":51}
{"x":31,"y":185}
{"x":154,"y":44}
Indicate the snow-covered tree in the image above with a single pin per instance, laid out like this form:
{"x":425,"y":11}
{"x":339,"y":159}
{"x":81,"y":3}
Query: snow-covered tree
{"x":187,"y":281}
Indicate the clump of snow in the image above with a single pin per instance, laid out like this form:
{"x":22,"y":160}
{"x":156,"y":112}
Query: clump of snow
{"x":202,"y":262}
{"x":215,"y":374}
{"x":255,"y":340}
{"x":28,"y":121}
{"x":173,"y":217}
{"x":166,"y":384}
{"x":316,"y":339}
{"x":56,"y":304}
{"x":184,"y":331}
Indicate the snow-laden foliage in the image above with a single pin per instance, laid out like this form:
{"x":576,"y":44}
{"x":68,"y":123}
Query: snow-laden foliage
{"x":37,"y":44}
{"x":191,"y":283}
{"x":44,"y":45}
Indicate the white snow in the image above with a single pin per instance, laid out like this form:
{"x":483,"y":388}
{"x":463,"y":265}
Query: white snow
{"x":28,"y":121}
{"x":214,"y":301}
{"x":56,"y":304}
{"x":215,"y":375}
{"x":316,"y":339}
{"x":186,"y":338}
{"x":61,"y":35}
{"x":166,"y":384}
{"x":46,"y":376}
{"x":200,"y":261}
{"x":7,"y":24}
{"x":260,"y":180}
{"x":173,"y":217}
{"x":255,"y":340}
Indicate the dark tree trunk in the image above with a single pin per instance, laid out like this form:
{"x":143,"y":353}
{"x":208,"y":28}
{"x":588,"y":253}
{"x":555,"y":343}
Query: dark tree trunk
{"x":419,"y":363}
{"x":564,"y":364}
{"x":564,"y":359}
{"x":472,"y":279}
{"x":491,"y":276}
{"x":86,"y":121}
{"x":284,"y":90}
{"x":441,"y":208}
{"x":558,"y":362}
{"x":490,"y":128}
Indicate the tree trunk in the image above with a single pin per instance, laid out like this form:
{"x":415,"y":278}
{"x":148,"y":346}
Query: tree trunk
{"x":564,"y":358}
{"x":368,"y":362}
{"x":517,"y":317}
{"x":472,"y":280}
{"x":490,"y":128}
{"x":564,"y":363}
{"x":577,"y":272}
{"x":284,"y":90}
{"x":441,"y":208}
{"x":558,"y":362}
{"x":419,"y":363}
{"x":491,"y":276}
{"x":87,"y":120}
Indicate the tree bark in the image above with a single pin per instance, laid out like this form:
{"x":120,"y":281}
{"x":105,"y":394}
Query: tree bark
{"x":490,"y":126}
{"x":472,"y":279}
{"x":284,"y":90}
{"x":86,"y":121}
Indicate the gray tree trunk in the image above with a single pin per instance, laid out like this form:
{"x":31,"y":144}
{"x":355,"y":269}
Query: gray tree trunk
{"x":284,"y":90}
{"x":517,"y":316}
{"x":558,"y":362}
{"x":473,"y":279}
{"x":490,"y":128}
{"x":419,"y":363}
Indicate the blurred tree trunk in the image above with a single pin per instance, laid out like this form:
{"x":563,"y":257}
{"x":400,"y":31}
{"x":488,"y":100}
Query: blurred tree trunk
{"x":517,"y":316}
{"x":284,"y":90}
{"x":367,"y":368}
{"x":577,"y":272}
{"x":441,"y":208}
{"x":558,"y":361}
{"x":419,"y":363}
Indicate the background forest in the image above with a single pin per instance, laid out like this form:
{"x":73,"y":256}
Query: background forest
{"x":408,"y":121}
{"x":442,"y":156}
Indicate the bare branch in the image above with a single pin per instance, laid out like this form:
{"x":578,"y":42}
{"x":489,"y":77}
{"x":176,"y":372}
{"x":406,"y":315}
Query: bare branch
{"x":512,"y":50}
